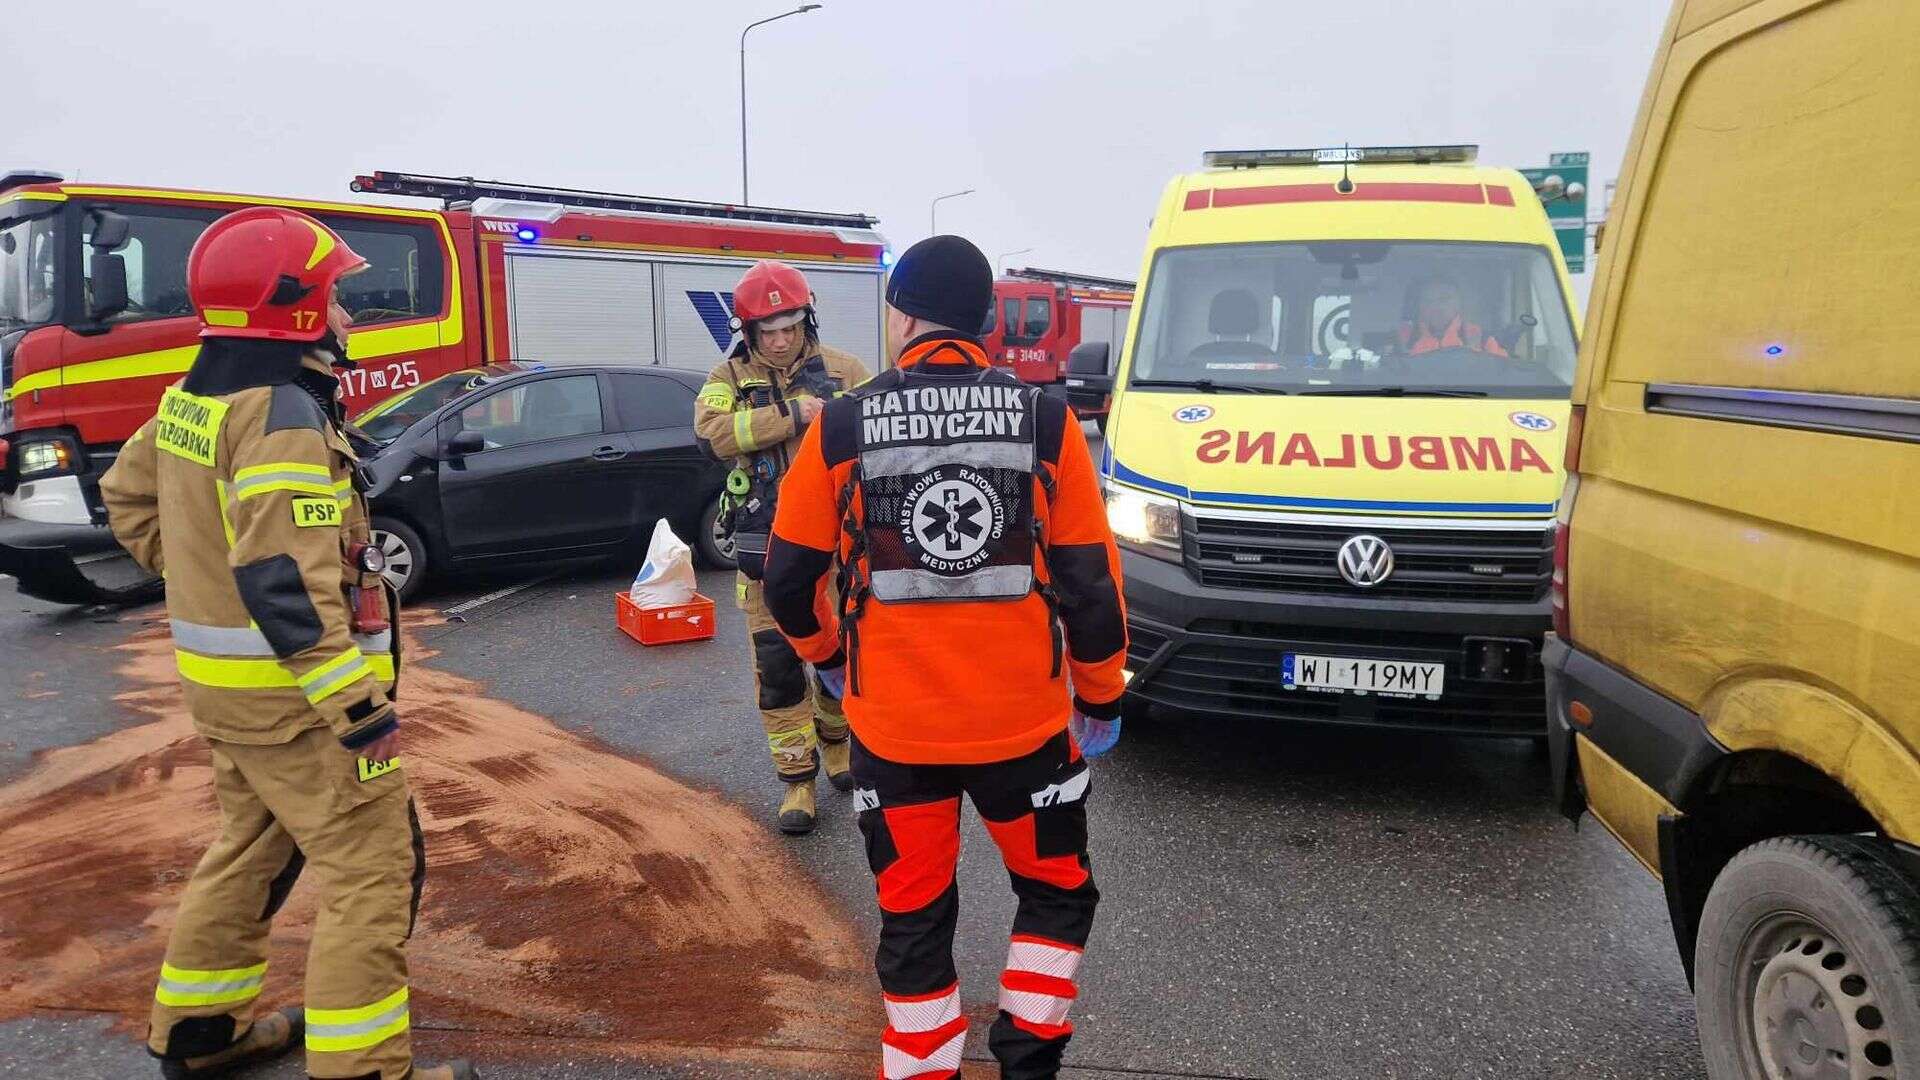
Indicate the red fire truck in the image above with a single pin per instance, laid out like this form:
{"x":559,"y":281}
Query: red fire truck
{"x":1038,"y":317}
{"x":95,"y":321}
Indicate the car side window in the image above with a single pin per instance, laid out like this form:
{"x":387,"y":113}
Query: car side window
{"x":538,"y":411}
{"x":646,"y":402}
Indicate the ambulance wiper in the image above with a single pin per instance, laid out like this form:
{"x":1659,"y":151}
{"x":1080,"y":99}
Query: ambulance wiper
{"x":1208,"y":386}
{"x":1391,"y":391}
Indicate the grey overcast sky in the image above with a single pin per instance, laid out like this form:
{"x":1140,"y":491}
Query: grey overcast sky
{"x":1066,"y":117}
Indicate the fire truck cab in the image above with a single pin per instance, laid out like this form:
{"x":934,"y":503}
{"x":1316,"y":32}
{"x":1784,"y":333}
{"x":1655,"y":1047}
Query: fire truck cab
{"x":1039,"y":316}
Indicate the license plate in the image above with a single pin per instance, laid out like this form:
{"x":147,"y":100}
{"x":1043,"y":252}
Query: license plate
{"x":1353,"y":675}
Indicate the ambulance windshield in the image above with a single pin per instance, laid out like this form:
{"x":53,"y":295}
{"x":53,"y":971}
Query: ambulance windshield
{"x":1358,"y":317}
{"x":28,"y":254}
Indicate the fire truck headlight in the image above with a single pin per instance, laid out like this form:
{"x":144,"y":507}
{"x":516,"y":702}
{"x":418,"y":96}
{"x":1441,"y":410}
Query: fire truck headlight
{"x":43,"y":457}
{"x":1142,"y":519}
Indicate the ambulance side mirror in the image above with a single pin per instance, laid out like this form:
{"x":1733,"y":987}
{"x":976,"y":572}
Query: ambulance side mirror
{"x":1087,"y":364}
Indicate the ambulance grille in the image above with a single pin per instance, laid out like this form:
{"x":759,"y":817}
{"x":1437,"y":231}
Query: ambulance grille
{"x":1472,"y":565}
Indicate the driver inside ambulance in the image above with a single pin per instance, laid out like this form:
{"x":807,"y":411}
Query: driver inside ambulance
{"x":1438,"y":323}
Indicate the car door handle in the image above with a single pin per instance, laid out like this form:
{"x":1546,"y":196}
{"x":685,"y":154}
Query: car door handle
{"x":609,"y":453}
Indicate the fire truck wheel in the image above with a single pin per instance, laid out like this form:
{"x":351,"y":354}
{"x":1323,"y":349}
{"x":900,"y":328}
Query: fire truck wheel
{"x":406,"y":555}
{"x":710,"y":542}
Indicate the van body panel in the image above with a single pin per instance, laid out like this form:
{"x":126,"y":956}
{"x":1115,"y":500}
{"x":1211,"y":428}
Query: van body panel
{"x":1740,"y":537}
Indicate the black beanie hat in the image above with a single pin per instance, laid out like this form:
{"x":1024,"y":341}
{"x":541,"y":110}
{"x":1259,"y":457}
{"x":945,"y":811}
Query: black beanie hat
{"x":943,"y":279}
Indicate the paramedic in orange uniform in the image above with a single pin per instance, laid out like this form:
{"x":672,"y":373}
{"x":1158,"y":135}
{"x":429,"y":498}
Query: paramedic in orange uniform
{"x":977,"y":645}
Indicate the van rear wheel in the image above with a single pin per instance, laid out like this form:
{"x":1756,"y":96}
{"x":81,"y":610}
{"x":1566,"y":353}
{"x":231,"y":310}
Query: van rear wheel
{"x":1808,"y":963}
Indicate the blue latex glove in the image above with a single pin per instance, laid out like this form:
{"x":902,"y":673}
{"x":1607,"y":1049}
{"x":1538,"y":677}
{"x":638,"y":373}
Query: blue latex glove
{"x":833,"y":680}
{"x":1095,"y":737}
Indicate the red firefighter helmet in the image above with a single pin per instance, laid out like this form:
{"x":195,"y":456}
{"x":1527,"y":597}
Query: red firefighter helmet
{"x":768,"y":290}
{"x":267,"y":272}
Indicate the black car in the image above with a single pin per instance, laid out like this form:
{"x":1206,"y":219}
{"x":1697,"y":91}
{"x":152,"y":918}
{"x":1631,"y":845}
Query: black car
{"x":517,"y":462}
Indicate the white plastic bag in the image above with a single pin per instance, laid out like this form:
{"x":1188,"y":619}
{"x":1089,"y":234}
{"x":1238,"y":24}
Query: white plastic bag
{"x":667,"y":577}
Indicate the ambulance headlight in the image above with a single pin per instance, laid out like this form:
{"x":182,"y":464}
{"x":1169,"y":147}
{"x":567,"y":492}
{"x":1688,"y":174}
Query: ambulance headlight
{"x":1137,"y":517}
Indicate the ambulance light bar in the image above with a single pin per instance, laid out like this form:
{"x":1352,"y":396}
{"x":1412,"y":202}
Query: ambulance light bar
{"x":1339,"y":155}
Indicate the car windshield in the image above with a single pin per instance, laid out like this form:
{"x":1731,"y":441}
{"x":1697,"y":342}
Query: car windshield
{"x":1358,"y":317}
{"x":384,"y":422}
{"x":28,"y":254}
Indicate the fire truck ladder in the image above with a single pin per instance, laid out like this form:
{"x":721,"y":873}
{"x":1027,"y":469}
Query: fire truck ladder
{"x":453,"y":190}
{"x":1078,"y":281}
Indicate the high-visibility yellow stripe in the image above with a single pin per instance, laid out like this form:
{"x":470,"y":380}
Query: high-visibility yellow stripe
{"x":298,"y":487}
{"x":307,"y":468}
{"x":743,"y":431}
{"x":223,"y":493}
{"x":132,"y":366}
{"x":334,"y":676}
{"x":334,"y":1030}
{"x":322,"y":243}
{"x":37,"y":196}
{"x":267,"y":673}
{"x":184,"y":988}
{"x":224,"y":317}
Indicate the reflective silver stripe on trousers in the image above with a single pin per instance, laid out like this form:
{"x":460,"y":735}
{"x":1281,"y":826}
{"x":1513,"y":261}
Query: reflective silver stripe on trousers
{"x":986,"y":583}
{"x":913,"y":460}
{"x":175,"y":986}
{"x":357,"y":1027}
{"x":246,"y":641}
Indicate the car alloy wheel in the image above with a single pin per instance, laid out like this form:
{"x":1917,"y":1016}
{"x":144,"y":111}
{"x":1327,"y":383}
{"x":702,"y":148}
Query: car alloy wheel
{"x":401,"y":559}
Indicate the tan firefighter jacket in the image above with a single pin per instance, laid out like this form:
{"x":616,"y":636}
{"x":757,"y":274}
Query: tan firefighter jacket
{"x":744,"y":409}
{"x":246,"y":503}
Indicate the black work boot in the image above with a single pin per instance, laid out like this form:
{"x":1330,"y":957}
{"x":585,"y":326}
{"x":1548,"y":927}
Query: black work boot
{"x":267,"y":1038}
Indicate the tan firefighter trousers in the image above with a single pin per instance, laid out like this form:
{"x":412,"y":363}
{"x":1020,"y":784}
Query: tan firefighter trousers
{"x":796,"y":714}
{"x":309,"y":801}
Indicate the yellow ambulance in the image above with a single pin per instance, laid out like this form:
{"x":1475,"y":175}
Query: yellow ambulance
{"x":1336,"y":440}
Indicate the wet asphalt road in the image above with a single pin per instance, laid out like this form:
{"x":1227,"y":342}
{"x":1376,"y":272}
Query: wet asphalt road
{"x":1278,"y":902}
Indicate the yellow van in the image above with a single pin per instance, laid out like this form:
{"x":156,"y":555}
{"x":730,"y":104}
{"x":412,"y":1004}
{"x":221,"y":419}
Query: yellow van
{"x":1735,"y":676}
{"x":1336,"y":441}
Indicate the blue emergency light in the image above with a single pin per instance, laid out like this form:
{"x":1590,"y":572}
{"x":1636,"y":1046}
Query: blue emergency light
{"x":527,"y":234}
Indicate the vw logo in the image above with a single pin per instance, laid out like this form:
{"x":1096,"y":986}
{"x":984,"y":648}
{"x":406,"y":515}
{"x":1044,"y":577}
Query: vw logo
{"x":1193,"y":414}
{"x":1365,"y":561}
{"x":1532,"y":421}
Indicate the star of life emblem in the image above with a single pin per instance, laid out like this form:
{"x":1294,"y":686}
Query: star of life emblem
{"x":949,"y":517}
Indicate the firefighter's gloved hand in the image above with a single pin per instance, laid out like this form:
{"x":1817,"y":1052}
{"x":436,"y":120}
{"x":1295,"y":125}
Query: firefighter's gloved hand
{"x":1095,"y":737}
{"x":833,"y":680}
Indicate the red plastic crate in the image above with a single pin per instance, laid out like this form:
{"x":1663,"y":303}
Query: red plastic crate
{"x":691,"y":621}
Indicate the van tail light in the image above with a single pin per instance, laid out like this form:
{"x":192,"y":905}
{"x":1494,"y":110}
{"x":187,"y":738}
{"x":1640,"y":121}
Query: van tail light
{"x":1576,"y":426}
{"x":1562,"y":625}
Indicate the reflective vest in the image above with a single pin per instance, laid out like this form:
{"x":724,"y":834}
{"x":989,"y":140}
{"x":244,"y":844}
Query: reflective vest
{"x":945,"y":468}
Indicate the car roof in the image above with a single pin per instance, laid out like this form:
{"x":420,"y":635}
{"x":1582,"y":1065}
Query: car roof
{"x":515,"y":368}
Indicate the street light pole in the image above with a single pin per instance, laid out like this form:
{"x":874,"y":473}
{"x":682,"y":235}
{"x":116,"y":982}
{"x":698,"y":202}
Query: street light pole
{"x":1001,"y":262}
{"x":801,"y":10}
{"x":933,"y":210}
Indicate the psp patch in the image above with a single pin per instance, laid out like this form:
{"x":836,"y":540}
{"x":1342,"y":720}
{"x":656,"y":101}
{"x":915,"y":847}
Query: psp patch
{"x":315,"y":513}
{"x":373,"y":770}
{"x":950,"y":517}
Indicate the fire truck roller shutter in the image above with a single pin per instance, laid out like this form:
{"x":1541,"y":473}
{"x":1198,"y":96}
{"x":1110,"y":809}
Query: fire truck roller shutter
{"x":580,"y":309}
{"x":694,"y":333}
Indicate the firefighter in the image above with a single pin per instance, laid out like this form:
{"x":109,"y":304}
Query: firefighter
{"x":753,"y":410}
{"x":244,"y":493}
{"x":941,"y":556}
